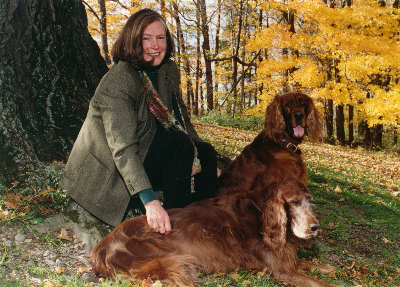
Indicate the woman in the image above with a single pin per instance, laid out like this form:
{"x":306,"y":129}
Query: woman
{"x":137,"y":135}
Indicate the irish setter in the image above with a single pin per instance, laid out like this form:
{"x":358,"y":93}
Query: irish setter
{"x":247,"y":230}
{"x":274,"y":154}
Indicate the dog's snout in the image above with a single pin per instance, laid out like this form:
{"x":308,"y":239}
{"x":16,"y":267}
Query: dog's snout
{"x":298,"y":116}
{"x":314,"y":226}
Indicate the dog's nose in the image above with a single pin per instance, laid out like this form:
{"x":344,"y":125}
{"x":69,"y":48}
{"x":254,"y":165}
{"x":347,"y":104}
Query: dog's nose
{"x":298,"y":116}
{"x":314,"y":226}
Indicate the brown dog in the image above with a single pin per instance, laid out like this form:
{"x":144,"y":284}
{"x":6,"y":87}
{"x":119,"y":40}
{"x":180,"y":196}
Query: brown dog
{"x":274,"y":154}
{"x":247,"y":230}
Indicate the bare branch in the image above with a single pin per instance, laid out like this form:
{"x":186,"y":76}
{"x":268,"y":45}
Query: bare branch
{"x":236,"y":57}
{"x":119,"y":2}
{"x":91,"y":10}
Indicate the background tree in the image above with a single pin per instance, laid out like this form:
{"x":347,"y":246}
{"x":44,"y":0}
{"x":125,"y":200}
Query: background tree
{"x":50,"y":67}
{"x":339,"y":60}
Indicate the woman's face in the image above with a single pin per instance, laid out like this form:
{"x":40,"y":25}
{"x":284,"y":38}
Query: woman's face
{"x":154,"y":43}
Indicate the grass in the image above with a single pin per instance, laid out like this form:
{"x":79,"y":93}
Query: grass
{"x":356,"y":198}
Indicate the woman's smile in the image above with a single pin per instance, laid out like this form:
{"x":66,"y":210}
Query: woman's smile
{"x":154,"y":43}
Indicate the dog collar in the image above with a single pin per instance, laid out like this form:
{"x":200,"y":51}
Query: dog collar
{"x":291,"y":146}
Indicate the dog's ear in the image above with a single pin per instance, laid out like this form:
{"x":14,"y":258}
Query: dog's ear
{"x":313,"y":124}
{"x":274,"y":121}
{"x":274,"y":221}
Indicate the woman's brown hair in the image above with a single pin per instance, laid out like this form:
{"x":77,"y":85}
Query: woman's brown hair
{"x":128,"y":46}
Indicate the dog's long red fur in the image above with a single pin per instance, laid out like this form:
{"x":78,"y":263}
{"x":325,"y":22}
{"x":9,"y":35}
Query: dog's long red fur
{"x":272,"y":156}
{"x":248,"y":230}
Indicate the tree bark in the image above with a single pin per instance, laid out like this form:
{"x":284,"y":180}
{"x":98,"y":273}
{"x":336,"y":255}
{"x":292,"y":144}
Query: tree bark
{"x":340,"y":125}
{"x":185,"y":59}
{"x":329,"y":120}
{"x":378,"y":136}
{"x":50,"y":69}
{"x":206,"y":54}
{"x":103,"y":31}
{"x":351,"y":124}
{"x":197,"y":101}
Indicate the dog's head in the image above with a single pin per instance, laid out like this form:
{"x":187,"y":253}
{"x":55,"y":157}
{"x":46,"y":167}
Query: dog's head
{"x":288,"y":207}
{"x":291,"y":116}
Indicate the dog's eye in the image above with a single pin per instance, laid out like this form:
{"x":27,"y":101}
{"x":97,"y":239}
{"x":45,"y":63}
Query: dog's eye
{"x":303,"y":104}
{"x":288,"y":105}
{"x":295,"y":202}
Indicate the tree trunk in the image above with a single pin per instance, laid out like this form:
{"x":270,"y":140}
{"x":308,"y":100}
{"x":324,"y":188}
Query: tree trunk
{"x":206,"y":54}
{"x":378,"y":136}
{"x":185,"y":59}
{"x":50,"y":69}
{"x":217,"y":37}
{"x":197,"y":102}
{"x":340,"y":125}
{"x":329,"y":120}
{"x":351,"y":124}
{"x":103,"y":31}
{"x":367,"y":135}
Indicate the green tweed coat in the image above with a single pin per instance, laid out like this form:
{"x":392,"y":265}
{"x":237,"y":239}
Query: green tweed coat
{"x":105,"y":167}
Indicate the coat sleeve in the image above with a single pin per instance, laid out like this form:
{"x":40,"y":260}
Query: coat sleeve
{"x":118,"y":102}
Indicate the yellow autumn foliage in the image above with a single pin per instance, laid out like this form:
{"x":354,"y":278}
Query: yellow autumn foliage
{"x":341,"y":54}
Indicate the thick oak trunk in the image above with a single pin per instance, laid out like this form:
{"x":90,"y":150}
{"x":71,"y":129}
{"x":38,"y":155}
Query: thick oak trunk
{"x":50,"y":67}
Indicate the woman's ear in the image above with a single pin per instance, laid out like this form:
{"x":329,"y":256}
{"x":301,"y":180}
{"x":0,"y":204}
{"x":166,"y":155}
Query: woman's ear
{"x":274,"y":221}
{"x":274,"y":121}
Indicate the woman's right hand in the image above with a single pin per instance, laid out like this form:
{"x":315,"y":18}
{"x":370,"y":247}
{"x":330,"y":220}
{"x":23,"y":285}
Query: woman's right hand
{"x":157,"y":217}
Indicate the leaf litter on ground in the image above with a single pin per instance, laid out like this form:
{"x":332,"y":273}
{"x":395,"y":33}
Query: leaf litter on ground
{"x":356,"y":164}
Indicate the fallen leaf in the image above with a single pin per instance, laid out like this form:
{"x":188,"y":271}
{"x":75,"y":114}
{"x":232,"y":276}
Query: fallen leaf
{"x":352,"y":265}
{"x":82,"y":269}
{"x":235,"y":276}
{"x":386,"y":241}
{"x":156,"y":284}
{"x":46,"y":211}
{"x":64,"y":235}
{"x":9,"y":205}
{"x":332,"y":275}
{"x":342,"y":199}
{"x":396,"y":194}
{"x":326,"y":269}
{"x":48,"y":283}
{"x":147,"y":282}
{"x":364,"y":270}
{"x":262,"y":273}
{"x":59,"y":270}
{"x":4,"y":214}
{"x":338,"y":190}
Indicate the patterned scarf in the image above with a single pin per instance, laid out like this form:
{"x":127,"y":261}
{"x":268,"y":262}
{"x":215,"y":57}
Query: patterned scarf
{"x":166,"y":118}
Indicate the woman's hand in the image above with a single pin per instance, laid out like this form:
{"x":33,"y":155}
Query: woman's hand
{"x":157,"y":217}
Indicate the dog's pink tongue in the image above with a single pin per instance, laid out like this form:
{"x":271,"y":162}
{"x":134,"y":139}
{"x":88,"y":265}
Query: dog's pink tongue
{"x":298,"y":131}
